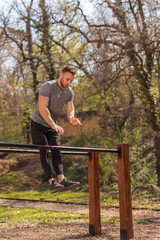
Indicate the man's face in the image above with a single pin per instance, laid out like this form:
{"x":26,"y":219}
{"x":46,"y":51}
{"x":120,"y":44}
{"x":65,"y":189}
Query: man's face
{"x":66,"y":79}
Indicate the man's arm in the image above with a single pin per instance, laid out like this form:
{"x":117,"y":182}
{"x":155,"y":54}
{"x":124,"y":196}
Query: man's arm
{"x":43,"y":109}
{"x":70,"y":114}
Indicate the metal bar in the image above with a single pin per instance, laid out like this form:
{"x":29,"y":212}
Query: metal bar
{"x":37,"y":151}
{"x":34,"y":146}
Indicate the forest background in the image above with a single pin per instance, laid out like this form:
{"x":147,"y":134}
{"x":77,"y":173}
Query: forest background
{"x":115,"y":46}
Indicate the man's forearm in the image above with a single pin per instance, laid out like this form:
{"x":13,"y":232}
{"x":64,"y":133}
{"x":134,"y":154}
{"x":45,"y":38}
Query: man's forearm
{"x":70,"y":115}
{"x":47,"y":117}
{"x":70,"y":111}
{"x":44,"y":111}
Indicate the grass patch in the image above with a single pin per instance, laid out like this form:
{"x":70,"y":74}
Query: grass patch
{"x":107,"y":199}
{"x":79,"y":197}
{"x":110,"y":220}
{"x":14,"y":181}
{"x":76,"y":197}
{"x":144,"y":202}
{"x":141,"y":221}
{"x":45,"y":217}
{"x":38,"y":216}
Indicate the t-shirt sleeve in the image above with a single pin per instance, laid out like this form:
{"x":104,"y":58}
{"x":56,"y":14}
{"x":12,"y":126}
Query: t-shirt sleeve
{"x":45,"y":90}
{"x":71,"y":97}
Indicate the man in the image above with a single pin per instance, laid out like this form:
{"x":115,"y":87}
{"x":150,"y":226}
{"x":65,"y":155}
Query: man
{"x":53,"y":95}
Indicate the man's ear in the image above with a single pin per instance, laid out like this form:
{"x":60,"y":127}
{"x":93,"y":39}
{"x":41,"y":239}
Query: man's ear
{"x":61,"y":74}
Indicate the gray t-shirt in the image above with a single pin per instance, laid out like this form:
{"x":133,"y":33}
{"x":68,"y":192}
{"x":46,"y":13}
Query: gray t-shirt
{"x":58,"y":97}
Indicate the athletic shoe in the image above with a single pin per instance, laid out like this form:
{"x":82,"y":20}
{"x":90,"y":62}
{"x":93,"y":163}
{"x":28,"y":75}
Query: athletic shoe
{"x":56,"y":187}
{"x":69,"y":185}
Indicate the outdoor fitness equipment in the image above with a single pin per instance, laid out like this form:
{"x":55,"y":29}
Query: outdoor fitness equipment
{"x":125,"y":205}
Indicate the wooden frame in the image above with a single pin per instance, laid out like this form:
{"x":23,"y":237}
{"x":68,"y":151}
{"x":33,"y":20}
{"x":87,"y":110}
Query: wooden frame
{"x":125,"y":206}
{"x":94,"y":194}
{"x":126,"y":224}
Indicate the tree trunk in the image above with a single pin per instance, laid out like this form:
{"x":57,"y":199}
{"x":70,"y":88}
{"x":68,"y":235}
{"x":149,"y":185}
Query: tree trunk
{"x":33,"y":65}
{"x":47,"y":40}
{"x":157,"y":148}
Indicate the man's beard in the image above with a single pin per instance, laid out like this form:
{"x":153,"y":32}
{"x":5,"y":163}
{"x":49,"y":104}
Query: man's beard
{"x":62,"y":85}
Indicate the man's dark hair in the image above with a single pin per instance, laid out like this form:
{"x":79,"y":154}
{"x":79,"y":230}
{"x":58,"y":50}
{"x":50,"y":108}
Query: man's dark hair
{"x":68,"y":68}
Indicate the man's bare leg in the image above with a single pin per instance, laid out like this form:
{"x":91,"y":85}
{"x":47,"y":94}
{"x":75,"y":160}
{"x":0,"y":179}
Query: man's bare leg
{"x":60,"y":177}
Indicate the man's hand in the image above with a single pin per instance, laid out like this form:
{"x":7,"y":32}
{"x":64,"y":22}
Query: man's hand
{"x":75,"y":121}
{"x":59,"y":129}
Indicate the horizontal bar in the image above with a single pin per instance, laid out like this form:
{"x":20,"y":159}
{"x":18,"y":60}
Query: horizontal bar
{"x":37,"y":151}
{"x":34,"y":146}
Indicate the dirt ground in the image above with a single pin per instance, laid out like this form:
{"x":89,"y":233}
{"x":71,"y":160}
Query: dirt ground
{"x":148,"y":230}
{"x":28,"y":165}
{"x":79,"y":229}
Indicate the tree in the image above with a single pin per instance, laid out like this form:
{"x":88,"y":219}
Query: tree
{"x":132,"y":33}
{"x":37,"y":47}
{"x":122,"y":42}
{"x":46,"y":47}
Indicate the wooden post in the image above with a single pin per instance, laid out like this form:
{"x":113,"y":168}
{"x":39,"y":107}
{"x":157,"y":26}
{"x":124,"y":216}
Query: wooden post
{"x":94,"y":194}
{"x":125,"y":205}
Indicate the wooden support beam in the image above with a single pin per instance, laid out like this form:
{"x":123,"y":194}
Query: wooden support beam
{"x":94,"y":194}
{"x":126,"y":223}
